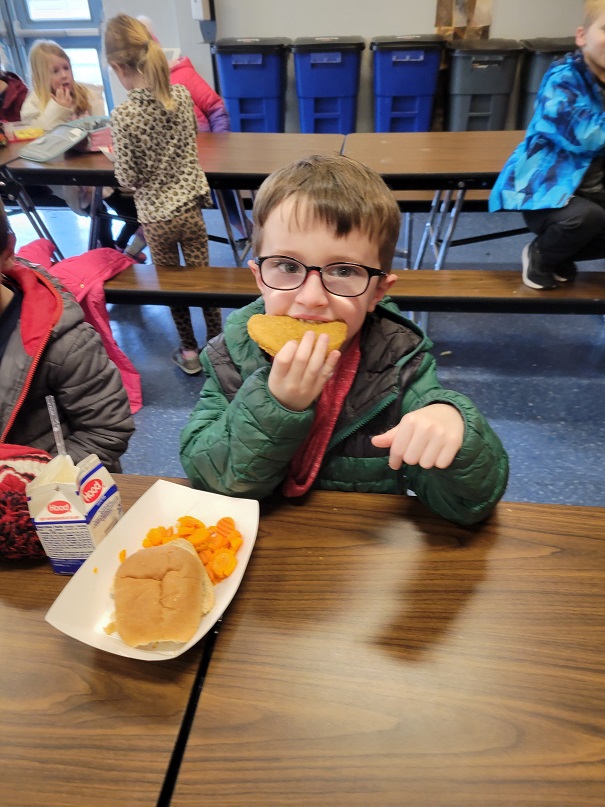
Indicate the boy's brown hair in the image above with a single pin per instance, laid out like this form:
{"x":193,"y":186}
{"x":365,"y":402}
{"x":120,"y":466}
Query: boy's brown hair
{"x":592,"y":10}
{"x":335,"y":191}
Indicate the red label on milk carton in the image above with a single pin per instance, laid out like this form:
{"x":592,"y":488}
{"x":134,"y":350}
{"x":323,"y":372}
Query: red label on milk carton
{"x":92,"y":490}
{"x":58,"y":507}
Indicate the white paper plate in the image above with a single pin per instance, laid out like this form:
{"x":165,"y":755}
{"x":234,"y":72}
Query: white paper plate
{"x":85,"y":606}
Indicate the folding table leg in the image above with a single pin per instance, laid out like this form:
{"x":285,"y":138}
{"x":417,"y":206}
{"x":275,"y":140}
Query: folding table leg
{"x":406,"y":252}
{"x":441,"y":252}
{"x":429,"y":227}
{"x":14,"y":190}
{"x":95,"y":206}
{"x":231,"y":205}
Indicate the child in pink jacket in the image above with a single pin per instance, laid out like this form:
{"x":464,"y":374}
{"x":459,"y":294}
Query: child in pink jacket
{"x":209,"y":107}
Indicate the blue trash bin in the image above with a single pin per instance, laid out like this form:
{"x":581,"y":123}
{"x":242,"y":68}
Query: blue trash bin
{"x":327,"y":82}
{"x":406,"y":70}
{"x":482,"y":76}
{"x":252,"y":78}
{"x":538,"y":56}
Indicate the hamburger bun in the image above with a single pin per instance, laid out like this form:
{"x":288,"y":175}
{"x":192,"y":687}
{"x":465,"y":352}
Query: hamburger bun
{"x":161,"y":593}
{"x":271,"y":332}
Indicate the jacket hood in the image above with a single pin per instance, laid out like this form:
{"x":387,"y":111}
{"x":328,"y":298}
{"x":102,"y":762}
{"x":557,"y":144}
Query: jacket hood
{"x":42,"y":304}
{"x":182,"y":63}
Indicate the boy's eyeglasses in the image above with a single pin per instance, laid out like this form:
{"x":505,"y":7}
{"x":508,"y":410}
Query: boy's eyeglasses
{"x":342,"y":279}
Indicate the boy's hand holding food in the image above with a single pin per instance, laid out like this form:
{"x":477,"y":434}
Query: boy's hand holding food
{"x":300,"y":370}
{"x":430,"y":437}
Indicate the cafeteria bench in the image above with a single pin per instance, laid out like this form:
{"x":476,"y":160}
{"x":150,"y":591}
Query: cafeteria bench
{"x":464,"y":290}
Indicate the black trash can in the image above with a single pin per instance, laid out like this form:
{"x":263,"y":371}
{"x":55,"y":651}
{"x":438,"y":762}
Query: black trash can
{"x":538,"y":56}
{"x":406,"y":70}
{"x":327,"y":82}
{"x":252,"y":77}
{"x":482,"y":76}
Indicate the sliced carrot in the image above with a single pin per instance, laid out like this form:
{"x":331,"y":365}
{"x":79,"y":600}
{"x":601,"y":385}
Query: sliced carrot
{"x":170,"y":536}
{"x":235,"y":540}
{"x":198,"y":536}
{"x":213,"y":578}
{"x":190,"y":521}
{"x":155,"y":535}
{"x":225,"y":525}
{"x":223,"y":563}
{"x":215,"y":545}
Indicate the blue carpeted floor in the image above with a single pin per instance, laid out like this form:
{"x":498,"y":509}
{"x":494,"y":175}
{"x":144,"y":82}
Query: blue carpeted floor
{"x":540,"y":380}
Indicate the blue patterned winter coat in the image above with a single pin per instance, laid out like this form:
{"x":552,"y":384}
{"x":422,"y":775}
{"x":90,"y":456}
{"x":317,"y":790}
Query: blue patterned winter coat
{"x":565,"y":134}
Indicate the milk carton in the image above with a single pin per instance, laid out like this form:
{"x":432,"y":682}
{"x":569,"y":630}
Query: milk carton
{"x":73,"y":507}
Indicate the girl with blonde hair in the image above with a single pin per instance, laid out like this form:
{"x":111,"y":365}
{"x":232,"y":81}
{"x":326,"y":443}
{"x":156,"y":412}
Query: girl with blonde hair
{"x":155,"y":151}
{"x":58,"y":98}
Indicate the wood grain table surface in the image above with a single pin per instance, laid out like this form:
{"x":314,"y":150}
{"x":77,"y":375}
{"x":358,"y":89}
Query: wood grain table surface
{"x":10,"y":152}
{"x":244,"y":159}
{"x":229,"y":159}
{"x":79,"y":726}
{"x":410,"y":160}
{"x":423,"y":289}
{"x":434,"y":160}
{"x":379,"y":656}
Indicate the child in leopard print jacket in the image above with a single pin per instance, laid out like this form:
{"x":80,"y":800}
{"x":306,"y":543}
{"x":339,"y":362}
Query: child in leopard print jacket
{"x":154,"y":141}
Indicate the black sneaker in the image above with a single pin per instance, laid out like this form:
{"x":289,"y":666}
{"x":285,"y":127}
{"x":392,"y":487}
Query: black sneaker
{"x":565,"y":272}
{"x":535,"y":274}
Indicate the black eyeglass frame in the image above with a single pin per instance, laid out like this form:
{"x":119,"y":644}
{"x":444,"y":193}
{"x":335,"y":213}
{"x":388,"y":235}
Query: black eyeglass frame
{"x":320,"y":269}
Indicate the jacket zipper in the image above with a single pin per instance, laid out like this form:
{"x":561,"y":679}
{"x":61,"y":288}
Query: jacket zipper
{"x":363,"y":420}
{"x":30,"y":374}
{"x":26,"y":386}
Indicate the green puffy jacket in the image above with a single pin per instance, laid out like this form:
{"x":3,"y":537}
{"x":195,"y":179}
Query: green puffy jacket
{"x":240,"y":440}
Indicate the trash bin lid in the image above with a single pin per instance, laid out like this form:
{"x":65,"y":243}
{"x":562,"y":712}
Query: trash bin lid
{"x":550,"y":44}
{"x":407,"y":42}
{"x":250,"y":44}
{"x":307,"y":43}
{"x":482,"y":45}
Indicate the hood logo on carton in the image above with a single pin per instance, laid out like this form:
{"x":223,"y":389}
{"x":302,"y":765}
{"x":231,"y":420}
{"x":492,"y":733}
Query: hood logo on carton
{"x":92,"y":490}
{"x":58,"y":507}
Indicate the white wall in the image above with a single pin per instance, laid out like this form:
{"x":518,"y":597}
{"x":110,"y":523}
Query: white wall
{"x":516,"y":19}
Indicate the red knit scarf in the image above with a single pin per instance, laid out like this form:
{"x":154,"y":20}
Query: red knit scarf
{"x":306,"y":463}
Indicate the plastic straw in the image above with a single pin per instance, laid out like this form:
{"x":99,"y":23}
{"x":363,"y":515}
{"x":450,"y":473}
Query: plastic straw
{"x":54,"y":419}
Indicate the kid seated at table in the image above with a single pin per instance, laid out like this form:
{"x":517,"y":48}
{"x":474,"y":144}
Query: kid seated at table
{"x":58,"y":98}
{"x":370,"y":417}
{"x":555,"y":176}
{"x":46,"y":348}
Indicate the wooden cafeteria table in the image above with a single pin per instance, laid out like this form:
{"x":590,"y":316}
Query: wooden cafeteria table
{"x":244,"y":159}
{"x":9,"y":152}
{"x":237,"y":160}
{"x":79,"y":726}
{"x":378,"y":656}
{"x":229,"y":159}
{"x":449,"y":163}
{"x":434,"y":160}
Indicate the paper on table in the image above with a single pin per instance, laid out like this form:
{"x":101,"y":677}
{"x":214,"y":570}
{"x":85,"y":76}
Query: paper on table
{"x":85,"y":606}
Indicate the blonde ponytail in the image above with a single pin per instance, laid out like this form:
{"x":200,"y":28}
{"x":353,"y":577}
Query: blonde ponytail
{"x":129,"y":45}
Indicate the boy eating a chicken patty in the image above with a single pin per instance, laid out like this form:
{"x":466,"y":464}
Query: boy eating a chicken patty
{"x":370,"y":416}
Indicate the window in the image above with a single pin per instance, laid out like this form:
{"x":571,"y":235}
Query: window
{"x":74,"y":24}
